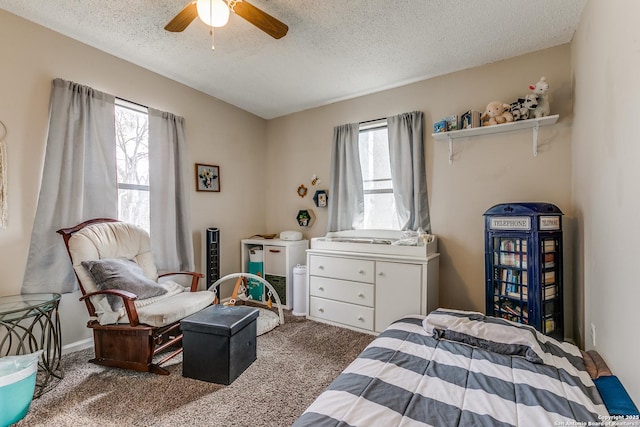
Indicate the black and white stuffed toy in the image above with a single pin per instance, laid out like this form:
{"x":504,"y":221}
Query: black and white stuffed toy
{"x":522,"y":107}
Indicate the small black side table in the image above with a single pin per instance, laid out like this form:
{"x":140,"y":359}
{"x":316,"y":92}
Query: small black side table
{"x":29,"y":323}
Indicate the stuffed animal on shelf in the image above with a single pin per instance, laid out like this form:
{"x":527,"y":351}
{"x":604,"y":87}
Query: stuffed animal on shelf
{"x":496,"y":113}
{"x":542,"y":90}
{"x":522,"y":107}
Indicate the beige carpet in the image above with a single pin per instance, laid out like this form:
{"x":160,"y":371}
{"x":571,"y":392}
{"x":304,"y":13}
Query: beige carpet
{"x":296,"y":361}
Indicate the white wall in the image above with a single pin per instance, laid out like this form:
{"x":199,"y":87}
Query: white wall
{"x":217,"y":133}
{"x":486,"y":170}
{"x":606,"y":177}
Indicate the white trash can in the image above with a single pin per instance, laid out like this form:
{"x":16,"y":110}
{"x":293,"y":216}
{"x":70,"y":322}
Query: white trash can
{"x":300,"y":290}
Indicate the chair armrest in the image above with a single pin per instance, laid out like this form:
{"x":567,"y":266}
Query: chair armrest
{"x":195,"y":278}
{"x":128,"y":299}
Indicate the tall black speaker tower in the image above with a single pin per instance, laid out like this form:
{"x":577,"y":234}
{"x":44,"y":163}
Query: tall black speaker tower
{"x":213,"y":256}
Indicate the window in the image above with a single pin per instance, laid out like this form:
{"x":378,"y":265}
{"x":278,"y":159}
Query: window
{"x":132,"y":159}
{"x":379,"y":202}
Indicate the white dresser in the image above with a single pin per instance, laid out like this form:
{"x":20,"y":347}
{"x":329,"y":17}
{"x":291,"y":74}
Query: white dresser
{"x":366,"y":286}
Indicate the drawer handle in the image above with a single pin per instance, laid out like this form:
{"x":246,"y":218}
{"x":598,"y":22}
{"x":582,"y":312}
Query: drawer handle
{"x":321,"y":267}
{"x":381,"y":274}
{"x":361,"y":272}
{"x":360,"y":295}
{"x":360,"y":318}
{"x":321,"y":288}
{"x":321,"y":310}
{"x":275,"y":251}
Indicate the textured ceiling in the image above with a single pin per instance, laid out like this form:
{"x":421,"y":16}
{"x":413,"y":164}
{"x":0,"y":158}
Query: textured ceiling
{"x":334,"y":50}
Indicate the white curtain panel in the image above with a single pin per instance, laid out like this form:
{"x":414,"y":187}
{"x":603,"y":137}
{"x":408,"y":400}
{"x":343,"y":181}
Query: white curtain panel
{"x":78,"y":181}
{"x":171,"y":240}
{"x":408,"y":171}
{"x":346,"y":209}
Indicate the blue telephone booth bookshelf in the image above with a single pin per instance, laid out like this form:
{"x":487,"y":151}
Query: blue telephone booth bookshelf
{"x":523,"y":265}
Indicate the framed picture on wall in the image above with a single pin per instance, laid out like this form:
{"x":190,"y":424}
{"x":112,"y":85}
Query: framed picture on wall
{"x":207,"y":178}
{"x":320,"y":198}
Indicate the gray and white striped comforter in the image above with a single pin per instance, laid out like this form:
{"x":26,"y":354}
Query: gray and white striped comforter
{"x":405,"y":377}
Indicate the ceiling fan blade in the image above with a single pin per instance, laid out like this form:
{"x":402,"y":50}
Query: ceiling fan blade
{"x":182,"y":20}
{"x":260,"y":19}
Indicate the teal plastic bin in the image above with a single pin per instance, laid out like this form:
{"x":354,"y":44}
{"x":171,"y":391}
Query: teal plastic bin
{"x":17,"y":384}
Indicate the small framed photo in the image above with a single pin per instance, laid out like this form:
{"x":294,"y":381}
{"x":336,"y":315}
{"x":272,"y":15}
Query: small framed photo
{"x":207,"y":178}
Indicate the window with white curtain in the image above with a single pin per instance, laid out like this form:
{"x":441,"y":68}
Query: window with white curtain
{"x":379,"y":202}
{"x":132,"y":157}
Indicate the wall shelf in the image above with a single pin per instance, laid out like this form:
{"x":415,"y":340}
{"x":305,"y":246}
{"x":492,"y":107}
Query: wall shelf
{"x":486,"y":130}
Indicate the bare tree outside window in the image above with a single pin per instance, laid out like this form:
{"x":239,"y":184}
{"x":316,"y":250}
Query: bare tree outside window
{"x":132,"y":156}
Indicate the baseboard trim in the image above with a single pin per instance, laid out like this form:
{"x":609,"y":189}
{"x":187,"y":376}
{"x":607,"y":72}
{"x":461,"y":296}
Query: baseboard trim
{"x":77,"y":346}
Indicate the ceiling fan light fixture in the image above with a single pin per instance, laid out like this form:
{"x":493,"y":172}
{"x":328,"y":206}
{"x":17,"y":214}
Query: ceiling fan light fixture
{"x":214,"y":13}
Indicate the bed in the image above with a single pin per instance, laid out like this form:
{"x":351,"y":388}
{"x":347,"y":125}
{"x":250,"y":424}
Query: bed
{"x":455,"y":368}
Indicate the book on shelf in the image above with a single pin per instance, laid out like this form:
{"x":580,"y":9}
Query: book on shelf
{"x":521,"y":296}
{"x":549,"y":292}
{"x":512,"y":259}
{"x":513,"y":283}
{"x":548,"y":245}
{"x":470,"y":119}
{"x":440,"y":126}
{"x":511,"y":308}
{"x":549,"y":260}
{"x":549,"y":277}
{"x":503,"y":278}
{"x":452,"y":122}
{"x":549,"y":325}
{"x":513,"y":245}
{"x":513,"y":253}
{"x":514,"y":276}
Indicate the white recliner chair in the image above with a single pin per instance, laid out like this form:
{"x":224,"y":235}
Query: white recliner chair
{"x":133,"y":316}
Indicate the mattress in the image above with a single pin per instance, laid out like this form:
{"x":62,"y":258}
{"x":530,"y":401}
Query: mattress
{"x":412,"y":376}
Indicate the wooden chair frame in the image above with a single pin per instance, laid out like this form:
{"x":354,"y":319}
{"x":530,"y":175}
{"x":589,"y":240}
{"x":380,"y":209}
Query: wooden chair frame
{"x":133,"y":345}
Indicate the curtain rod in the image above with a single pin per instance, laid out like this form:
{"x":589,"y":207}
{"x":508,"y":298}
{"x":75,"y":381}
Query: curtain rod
{"x":131,"y":102}
{"x":372,"y":121}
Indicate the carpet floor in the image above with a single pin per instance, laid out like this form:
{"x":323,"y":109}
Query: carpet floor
{"x":296,"y":362}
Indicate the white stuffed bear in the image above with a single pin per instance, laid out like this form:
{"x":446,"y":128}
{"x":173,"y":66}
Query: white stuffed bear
{"x":542,"y":90}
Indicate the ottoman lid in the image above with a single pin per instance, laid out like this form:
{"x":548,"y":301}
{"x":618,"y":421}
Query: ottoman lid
{"x":220,"y":320}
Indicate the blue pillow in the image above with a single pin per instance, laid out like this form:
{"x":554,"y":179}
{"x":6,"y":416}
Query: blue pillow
{"x":614,"y":396}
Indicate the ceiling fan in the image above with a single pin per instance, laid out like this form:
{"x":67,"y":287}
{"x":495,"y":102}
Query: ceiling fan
{"x":249,"y":12}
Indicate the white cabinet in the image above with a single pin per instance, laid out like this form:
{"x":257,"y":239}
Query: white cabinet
{"x":398,"y":290}
{"x":368,"y":292}
{"x":279,"y":257}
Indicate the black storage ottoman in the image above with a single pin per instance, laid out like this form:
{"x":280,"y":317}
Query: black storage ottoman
{"x":219,"y":343}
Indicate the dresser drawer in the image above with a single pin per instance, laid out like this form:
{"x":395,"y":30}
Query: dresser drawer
{"x":341,"y":312}
{"x":359,"y":270}
{"x":275,"y":260}
{"x":342,"y":290}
